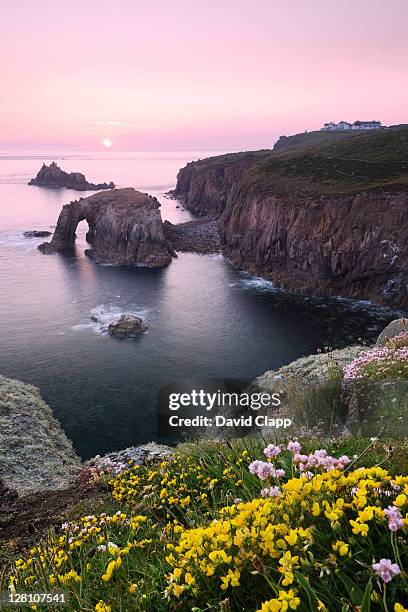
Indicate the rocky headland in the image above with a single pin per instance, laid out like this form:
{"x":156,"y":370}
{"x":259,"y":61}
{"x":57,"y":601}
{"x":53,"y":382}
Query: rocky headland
{"x":316,"y":218}
{"x":125,"y":228}
{"x":53,"y":176}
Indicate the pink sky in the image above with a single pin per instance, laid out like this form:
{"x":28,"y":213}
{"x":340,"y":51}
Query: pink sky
{"x":196,"y":74}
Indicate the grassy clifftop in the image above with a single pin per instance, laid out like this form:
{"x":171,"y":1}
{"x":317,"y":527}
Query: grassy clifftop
{"x":343,"y":165}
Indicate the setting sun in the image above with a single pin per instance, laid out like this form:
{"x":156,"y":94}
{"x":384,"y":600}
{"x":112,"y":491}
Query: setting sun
{"x":107,"y":142}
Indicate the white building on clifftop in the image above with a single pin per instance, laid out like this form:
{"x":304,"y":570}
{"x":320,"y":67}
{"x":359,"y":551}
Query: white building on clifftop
{"x":357,"y":125}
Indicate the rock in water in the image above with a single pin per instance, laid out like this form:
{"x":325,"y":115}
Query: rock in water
{"x":127,"y":326}
{"x":125,"y":228}
{"x":53,"y":176}
{"x":37,"y":234}
{"x":35,"y":454}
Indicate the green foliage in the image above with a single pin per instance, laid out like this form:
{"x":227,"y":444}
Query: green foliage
{"x":124,"y":555}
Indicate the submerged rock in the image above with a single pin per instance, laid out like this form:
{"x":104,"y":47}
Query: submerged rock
{"x":35,"y":454}
{"x":53,"y":176}
{"x":37,"y":233}
{"x":125,"y":228}
{"x":127,"y":326}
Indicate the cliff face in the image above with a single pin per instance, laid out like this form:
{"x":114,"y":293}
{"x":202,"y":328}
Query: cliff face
{"x":125,"y":227}
{"x":53,"y":176}
{"x":311,"y":222}
{"x":352,"y":246}
{"x":204,"y":187}
{"x":35,"y":454}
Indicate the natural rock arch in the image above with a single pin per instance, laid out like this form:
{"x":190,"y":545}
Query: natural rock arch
{"x":125,"y":227}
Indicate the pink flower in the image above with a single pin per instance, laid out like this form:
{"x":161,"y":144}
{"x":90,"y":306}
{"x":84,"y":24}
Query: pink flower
{"x":265,"y":470}
{"x":272,"y":451}
{"x":271,"y":492}
{"x":395,"y":520}
{"x":294,"y":447}
{"x":386,"y":569}
{"x":253,"y":467}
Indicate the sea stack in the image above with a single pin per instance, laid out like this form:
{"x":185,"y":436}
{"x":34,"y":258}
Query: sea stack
{"x":125,"y":228}
{"x":53,"y":176}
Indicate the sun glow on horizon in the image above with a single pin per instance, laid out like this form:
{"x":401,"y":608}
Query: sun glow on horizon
{"x":107,"y":142}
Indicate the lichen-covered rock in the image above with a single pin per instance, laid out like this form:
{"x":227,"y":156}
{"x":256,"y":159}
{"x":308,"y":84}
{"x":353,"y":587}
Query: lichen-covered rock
{"x":125,"y":228}
{"x":53,"y":176}
{"x":308,"y":370}
{"x":127,"y":326}
{"x":145,"y":453}
{"x":393,"y":329}
{"x":35,"y":454}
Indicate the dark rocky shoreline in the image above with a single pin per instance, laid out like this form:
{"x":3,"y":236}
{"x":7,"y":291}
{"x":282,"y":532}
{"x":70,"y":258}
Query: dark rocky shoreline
{"x":327,"y":220}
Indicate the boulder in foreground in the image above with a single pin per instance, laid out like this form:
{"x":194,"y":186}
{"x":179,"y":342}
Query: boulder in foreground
{"x":53,"y":176}
{"x":35,"y":454}
{"x":396,"y":327}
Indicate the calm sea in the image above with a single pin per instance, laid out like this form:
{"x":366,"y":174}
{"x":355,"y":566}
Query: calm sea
{"x":205,"y":318}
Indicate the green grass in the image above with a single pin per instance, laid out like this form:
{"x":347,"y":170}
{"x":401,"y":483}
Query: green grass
{"x":188,"y":494}
{"x":328,"y":166}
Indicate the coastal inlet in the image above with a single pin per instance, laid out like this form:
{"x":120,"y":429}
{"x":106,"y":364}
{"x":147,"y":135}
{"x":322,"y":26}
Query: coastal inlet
{"x":203,"y":316}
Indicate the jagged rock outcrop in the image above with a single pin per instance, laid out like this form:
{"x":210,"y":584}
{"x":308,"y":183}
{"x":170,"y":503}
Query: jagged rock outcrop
{"x":328,"y":220}
{"x":53,"y":176}
{"x":35,"y":454}
{"x":204,"y":186}
{"x":125,"y":228}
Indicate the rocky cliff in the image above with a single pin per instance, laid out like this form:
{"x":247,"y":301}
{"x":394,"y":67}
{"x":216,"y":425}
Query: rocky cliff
{"x":204,"y":186}
{"x":53,"y":176}
{"x":330,"y":219}
{"x":35,"y":454}
{"x":125,"y":228}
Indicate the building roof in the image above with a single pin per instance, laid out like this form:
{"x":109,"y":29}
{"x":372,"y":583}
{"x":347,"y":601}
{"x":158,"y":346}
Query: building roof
{"x":367,"y":123}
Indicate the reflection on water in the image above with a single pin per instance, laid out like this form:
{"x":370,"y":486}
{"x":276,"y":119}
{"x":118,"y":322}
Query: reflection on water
{"x":205,"y":318}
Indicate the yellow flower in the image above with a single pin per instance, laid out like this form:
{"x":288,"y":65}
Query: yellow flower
{"x":189,"y":579}
{"x":401,"y":500}
{"x":232,"y":578}
{"x":400,"y":608}
{"x":101,"y":606}
{"x":109,"y":571}
{"x":132,"y":588}
{"x":315,"y":509}
{"x":341,"y":547}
